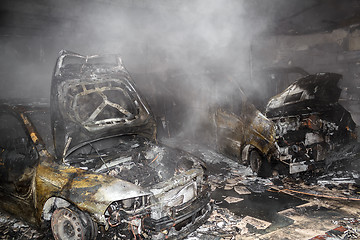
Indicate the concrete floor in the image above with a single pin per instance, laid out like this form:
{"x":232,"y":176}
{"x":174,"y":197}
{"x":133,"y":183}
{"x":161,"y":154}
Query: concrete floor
{"x":281,"y":215}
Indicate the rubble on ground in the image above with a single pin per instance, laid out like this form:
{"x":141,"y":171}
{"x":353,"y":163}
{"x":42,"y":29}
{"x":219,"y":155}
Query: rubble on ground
{"x":12,"y":228}
{"x":223,"y":224}
{"x":348,"y":228}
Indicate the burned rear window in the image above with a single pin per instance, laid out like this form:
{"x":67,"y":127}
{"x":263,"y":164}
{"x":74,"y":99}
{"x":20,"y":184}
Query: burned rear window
{"x":293,"y":97}
{"x":229,"y":98}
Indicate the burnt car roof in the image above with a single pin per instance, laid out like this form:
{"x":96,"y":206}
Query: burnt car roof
{"x":94,"y":97}
{"x":311,"y":93}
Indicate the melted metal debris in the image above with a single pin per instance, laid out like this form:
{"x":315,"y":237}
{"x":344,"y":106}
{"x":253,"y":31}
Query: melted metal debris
{"x":223,"y":224}
{"x":340,"y":180}
{"x":352,"y":226}
{"x":349,"y":228}
{"x":337,"y":188}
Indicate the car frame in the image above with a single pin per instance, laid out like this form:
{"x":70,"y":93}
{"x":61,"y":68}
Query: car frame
{"x":310,"y":122}
{"x":78,"y":202}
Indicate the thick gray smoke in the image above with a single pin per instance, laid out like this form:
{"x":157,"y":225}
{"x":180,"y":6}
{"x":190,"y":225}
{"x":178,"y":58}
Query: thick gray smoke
{"x":172,"y":48}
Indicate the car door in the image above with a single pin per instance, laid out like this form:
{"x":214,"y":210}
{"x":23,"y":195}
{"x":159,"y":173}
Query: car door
{"x":229,"y":123}
{"x":18,"y":156}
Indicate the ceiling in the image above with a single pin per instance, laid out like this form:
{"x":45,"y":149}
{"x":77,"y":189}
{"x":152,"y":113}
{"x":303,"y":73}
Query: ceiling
{"x":282,"y":16}
{"x":21,"y":17}
{"x":304,"y":17}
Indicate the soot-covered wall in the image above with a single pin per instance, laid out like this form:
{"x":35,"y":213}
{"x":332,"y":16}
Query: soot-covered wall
{"x":335,"y":51}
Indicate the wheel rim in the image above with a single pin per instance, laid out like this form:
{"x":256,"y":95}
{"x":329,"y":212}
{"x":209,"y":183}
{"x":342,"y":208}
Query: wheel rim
{"x":66,"y":224}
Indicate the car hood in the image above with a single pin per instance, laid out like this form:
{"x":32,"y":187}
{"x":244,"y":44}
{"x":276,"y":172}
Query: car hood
{"x":134,"y":159}
{"x":317,"y":92}
{"x":93,"y":97}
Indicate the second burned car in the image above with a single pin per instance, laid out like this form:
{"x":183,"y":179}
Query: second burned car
{"x":103,"y":168}
{"x":303,"y":124}
{"x":310,"y":122}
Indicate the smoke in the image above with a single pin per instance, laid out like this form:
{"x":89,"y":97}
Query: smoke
{"x":177,"y":51}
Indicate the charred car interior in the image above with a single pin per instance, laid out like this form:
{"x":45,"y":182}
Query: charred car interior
{"x":233,"y":119}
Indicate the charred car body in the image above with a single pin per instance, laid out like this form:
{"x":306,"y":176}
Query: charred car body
{"x":302,"y":125}
{"x":102,"y":168}
{"x":238,"y":130}
{"x":309,"y":121}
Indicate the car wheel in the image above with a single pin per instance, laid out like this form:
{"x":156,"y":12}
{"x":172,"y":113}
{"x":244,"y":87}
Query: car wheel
{"x":256,"y":161}
{"x":71,"y":224}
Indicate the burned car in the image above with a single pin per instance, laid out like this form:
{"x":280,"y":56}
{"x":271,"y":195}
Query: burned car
{"x":91,"y":162}
{"x":303,"y":124}
{"x":235,"y":128}
{"x":309,"y":121}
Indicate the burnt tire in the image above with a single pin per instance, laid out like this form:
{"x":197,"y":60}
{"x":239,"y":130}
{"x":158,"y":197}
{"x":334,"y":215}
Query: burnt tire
{"x":255,"y":161}
{"x":259,"y":164}
{"x":72,"y":224}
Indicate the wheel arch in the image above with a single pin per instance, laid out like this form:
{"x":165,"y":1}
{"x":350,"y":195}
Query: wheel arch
{"x":51,"y":204}
{"x":265,"y":167}
{"x":58,"y":203}
{"x":245,"y":154}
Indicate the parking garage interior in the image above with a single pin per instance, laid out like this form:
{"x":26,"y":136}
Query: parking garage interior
{"x":189,"y":60}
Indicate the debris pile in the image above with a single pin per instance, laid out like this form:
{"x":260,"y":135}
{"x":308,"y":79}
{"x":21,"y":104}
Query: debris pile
{"x":349,"y":228}
{"x":340,"y":185}
{"x":11,"y":228}
{"x":348,"y":157}
{"x":226,"y":225}
{"x":352,"y":226}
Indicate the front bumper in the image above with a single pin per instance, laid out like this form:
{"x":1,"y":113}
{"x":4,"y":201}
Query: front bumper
{"x":185,"y":218}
